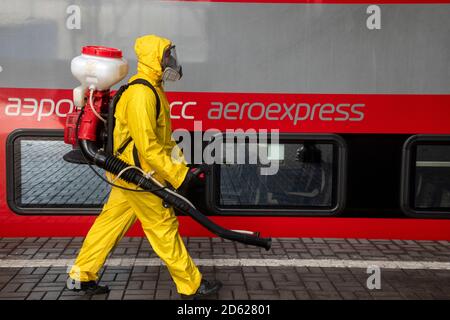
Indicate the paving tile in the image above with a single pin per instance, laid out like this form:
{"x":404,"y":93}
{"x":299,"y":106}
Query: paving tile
{"x":52,"y":295}
{"x":10,"y":287}
{"x":36,"y":295}
{"x":14,"y":295}
{"x":115,"y":295}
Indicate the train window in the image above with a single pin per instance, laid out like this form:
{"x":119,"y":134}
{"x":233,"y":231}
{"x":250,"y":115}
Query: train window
{"x":308,"y":179}
{"x":426,"y":176}
{"x":40,"y":181}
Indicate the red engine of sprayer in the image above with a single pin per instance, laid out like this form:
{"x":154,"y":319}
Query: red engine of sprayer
{"x":88,"y":128}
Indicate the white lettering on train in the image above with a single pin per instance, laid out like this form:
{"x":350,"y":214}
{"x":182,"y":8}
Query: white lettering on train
{"x":43,"y":108}
{"x":183,"y":106}
{"x":296,"y":112}
{"x":254,"y":111}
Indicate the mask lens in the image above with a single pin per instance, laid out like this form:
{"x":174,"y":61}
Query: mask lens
{"x":170,"y":58}
{"x":171,"y":67}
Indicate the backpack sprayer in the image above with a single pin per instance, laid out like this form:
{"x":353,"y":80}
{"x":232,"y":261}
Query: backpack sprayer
{"x":90,"y":129}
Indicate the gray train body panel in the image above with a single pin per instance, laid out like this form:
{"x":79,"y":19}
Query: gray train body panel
{"x":238,"y":47}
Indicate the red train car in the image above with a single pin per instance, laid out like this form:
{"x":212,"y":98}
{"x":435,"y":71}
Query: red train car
{"x":359,"y":94}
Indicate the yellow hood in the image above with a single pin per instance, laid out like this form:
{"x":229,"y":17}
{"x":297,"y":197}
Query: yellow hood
{"x":149,"y":52}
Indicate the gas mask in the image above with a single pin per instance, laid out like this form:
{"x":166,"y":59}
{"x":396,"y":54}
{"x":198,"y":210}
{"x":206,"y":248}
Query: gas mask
{"x":172,"y":71}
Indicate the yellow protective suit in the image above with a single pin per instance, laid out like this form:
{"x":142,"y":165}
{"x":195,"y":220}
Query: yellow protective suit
{"x":136,"y":117}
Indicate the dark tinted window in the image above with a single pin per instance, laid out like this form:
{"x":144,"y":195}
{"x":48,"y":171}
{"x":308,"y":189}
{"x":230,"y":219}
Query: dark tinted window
{"x":305,"y":178}
{"x":432,"y":177}
{"x":42,"y":179}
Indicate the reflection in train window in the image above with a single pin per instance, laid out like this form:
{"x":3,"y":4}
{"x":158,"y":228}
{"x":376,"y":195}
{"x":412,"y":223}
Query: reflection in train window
{"x":304,"y":179}
{"x":42,"y":179}
{"x":432,"y":177}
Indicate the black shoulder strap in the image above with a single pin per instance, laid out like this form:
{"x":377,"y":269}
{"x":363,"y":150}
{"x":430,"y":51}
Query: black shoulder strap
{"x":158,"y":108}
{"x":124,"y":145}
{"x":148,"y":84}
{"x":137,"y":163}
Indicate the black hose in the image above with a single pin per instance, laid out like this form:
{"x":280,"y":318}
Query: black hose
{"x":115,"y":166}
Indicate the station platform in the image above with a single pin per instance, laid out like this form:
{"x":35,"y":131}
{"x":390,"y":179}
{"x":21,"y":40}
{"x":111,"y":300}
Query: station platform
{"x":294,"y":269}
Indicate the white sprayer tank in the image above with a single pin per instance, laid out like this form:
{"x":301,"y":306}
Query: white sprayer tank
{"x":97,"y":68}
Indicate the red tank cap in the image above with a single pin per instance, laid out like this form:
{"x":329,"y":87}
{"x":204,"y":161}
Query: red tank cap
{"x":100,"y":51}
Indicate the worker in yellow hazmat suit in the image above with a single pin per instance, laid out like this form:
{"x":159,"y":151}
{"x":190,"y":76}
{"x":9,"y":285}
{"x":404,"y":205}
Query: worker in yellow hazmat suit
{"x":139,"y":127}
